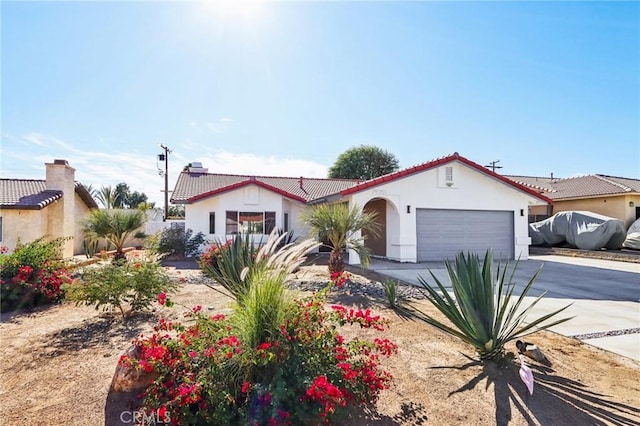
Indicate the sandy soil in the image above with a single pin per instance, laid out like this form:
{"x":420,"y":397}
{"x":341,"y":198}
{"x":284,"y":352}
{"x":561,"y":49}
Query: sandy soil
{"x":57,"y":365}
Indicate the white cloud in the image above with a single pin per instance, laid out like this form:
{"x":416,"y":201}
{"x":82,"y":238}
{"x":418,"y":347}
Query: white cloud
{"x":140,"y":170}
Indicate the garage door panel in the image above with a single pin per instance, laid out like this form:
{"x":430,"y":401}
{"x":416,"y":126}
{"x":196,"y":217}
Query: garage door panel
{"x":441,"y":234}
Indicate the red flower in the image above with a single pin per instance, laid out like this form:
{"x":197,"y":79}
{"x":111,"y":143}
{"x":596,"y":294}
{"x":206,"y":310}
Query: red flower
{"x":245,"y":387}
{"x":264,"y":346}
{"x":162,"y":298}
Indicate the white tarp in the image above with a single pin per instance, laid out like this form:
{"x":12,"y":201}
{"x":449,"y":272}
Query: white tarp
{"x":580,"y":229}
{"x":633,"y":236}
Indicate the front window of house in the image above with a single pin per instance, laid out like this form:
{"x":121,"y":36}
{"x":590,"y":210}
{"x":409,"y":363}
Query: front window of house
{"x":250,"y":222}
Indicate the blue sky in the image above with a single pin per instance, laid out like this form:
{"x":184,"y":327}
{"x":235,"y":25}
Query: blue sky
{"x":282,"y":88}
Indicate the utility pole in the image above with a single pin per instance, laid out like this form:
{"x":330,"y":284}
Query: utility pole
{"x":492,"y":165}
{"x":165,"y":157}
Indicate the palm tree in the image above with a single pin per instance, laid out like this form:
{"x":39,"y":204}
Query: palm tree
{"x":339,"y":224}
{"x":116,"y":226}
{"x":106,"y":195}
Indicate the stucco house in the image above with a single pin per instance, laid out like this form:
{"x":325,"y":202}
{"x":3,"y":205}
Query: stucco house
{"x":611,"y":196}
{"x":427,"y":212}
{"x":54,"y":207}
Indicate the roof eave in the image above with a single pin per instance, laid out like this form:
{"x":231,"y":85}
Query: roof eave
{"x":439,"y":162}
{"x":238,"y":185}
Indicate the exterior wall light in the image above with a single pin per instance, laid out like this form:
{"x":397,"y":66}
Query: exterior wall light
{"x":408,"y":208}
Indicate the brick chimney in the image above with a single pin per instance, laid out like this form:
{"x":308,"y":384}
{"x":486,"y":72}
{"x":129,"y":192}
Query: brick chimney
{"x":61,"y":215}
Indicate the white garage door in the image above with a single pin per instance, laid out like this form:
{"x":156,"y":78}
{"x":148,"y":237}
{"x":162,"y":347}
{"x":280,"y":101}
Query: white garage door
{"x":444,"y":233}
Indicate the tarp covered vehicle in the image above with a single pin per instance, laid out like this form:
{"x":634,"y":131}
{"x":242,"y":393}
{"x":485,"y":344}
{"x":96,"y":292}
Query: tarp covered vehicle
{"x":633,"y":236}
{"x":579,"y":229}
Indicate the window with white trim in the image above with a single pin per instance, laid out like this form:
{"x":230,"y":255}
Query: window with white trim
{"x":249,"y":222}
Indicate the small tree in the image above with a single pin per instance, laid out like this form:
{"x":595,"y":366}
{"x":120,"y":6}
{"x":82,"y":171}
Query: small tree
{"x":363,"y":162}
{"x":116,"y":226}
{"x":339,"y":224}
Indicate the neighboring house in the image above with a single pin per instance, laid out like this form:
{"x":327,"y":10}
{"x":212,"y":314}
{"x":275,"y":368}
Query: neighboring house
{"x":611,"y":196}
{"x":30,"y":209}
{"x":427,"y":212}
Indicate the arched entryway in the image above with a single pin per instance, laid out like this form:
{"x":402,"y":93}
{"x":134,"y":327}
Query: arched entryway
{"x":377,"y":244}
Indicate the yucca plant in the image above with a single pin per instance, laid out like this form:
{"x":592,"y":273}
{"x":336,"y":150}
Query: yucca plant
{"x":224,"y":262}
{"x":483,"y":310}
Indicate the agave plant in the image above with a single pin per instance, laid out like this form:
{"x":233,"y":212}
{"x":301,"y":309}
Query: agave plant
{"x":484,"y":312}
{"x":391,"y":292}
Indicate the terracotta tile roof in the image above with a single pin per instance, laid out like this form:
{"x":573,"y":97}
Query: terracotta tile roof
{"x":439,"y":162}
{"x":581,"y":186}
{"x":31,"y":194}
{"x":191,"y":187}
{"x":535,"y":182}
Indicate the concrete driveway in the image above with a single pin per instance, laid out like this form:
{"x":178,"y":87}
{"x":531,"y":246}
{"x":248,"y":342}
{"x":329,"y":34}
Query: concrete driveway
{"x":605,"y":295}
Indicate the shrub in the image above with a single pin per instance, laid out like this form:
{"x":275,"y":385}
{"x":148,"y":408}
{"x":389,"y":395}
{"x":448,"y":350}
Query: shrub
{"x":304,"y":372}
{"x":275,"y":360}
{"x":482,"y":311}
{"x":175,"y":241}
{"x":33,"y":274}
{"x":133,"y":283}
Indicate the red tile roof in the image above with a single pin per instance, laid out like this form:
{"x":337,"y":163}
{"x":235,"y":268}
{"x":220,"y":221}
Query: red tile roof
{"x":31,"y":194}
{"x":191,"y":187}
{"x":582,"y":186}
{"x":439,"y":162}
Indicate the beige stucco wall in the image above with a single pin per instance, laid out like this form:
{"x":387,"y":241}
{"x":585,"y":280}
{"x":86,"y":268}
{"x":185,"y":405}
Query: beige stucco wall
{"x":80,"y":212}
{"x":23,"y":225}
{"x":613,"y":206}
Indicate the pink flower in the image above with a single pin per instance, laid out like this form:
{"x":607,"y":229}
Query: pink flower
{"x":193,"y":354}
{"x":162,"y":298}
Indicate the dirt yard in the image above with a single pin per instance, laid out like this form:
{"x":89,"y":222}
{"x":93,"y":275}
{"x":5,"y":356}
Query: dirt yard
{"x":57,"y":365}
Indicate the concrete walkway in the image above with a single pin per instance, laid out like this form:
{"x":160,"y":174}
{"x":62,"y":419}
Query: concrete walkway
{"x":605,"y":295}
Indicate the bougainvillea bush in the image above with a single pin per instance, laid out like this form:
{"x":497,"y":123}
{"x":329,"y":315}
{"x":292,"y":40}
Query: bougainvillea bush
{"x":33,"y":274}
{"x":304,"y":372}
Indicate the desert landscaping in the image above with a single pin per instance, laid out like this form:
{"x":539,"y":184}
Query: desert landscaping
{"x":59,"y":362}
